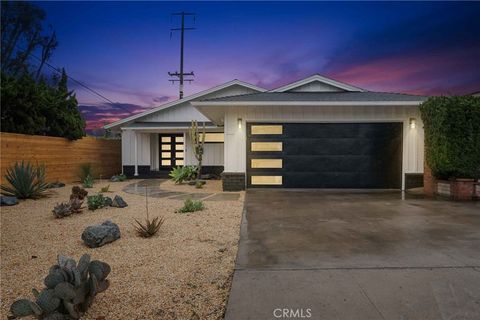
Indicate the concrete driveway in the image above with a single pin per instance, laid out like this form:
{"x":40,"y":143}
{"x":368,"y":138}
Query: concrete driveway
{"x":356,"y":255}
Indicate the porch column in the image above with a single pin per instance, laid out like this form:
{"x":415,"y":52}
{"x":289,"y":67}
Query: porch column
{"x":136,"y":153}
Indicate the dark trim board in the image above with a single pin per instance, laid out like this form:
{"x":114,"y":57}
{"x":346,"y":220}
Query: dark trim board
{"x":331,"y":155}
{"x":413,"y":180}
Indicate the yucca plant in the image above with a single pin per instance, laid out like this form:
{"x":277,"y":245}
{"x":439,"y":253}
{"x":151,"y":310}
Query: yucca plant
{"x":151,"y":227}
{"x":85,"y":171}
{"x":26,"y":181}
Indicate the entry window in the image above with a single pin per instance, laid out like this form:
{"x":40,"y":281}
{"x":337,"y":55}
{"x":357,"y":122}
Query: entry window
{"x":266,"y":163}
{"x":267,"y":180}
{"x":171,"y":150}
{"x":267,"y":129}
{"x":266,"y":146}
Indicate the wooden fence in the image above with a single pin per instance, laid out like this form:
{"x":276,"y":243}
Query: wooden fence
{"x":62,"y":158}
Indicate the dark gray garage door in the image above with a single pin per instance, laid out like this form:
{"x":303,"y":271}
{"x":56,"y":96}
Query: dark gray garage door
{"x":324,"y":155}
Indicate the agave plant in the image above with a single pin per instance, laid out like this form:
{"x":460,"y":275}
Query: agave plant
{"x":151,"y":227}
{"x":88,"y":182}
{"x":85,"y":171}
{"x":26,"y":181}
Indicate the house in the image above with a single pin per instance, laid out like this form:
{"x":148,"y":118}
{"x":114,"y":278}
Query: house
{"x":313,"y":133}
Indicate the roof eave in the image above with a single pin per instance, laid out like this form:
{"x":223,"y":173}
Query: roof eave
{"x":305,"y":103}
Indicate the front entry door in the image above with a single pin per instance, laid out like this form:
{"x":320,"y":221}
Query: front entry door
{"x":171,"y":150}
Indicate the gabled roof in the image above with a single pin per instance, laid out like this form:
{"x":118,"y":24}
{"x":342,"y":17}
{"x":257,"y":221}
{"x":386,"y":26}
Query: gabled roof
{"x":186,"y":99}
{"x":317,"y":78}
{"x":365,"y":96}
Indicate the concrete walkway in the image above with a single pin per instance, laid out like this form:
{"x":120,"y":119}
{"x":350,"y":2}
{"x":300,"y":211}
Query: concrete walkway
{"x":356,"y":255}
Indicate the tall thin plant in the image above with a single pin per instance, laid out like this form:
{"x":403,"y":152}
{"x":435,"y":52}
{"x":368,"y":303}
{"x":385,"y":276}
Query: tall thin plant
{"x":198,"y":141}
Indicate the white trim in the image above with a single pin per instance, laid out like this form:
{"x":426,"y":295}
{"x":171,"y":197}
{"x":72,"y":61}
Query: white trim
{"x":304,"y":103}
{"x":167,"y":128}
{"x":136,"y":155}
{"x":319,"y":78}
{"x":186,"y":99}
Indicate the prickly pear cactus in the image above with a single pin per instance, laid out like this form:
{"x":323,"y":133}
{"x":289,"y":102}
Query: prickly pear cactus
{"x":70,"y":290}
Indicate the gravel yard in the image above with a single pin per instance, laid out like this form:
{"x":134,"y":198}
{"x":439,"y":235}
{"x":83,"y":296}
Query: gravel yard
{"x":182,"y":273}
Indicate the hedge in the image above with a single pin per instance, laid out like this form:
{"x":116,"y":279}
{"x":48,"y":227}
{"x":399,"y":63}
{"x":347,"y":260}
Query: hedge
{"x":452,"y":136}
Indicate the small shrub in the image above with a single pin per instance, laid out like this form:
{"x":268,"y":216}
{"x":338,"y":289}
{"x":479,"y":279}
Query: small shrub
{"x":85,"y":171}
{"x":26,"y":181}
{"x":62,"y":210}
{"x":78,"y":193}
{"x":105,"y":189}
{"x":70,"y":290}
{"x":88,"y":182}
{"x":191,"y":206}
{"x":118,"y":178}
{"x":185,"y":173}
{"x":150,"y":228}
{"x":199,"y":184}
{"x":96,"y":201}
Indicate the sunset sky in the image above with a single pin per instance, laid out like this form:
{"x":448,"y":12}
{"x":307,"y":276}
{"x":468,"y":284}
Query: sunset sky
{"x":124,"y":50}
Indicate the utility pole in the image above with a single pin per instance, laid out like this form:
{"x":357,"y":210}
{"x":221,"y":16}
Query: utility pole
{"x":180,"y":75}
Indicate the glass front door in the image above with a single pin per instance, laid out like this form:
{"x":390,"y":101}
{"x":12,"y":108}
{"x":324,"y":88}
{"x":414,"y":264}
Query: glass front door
{"x":171,"y":150}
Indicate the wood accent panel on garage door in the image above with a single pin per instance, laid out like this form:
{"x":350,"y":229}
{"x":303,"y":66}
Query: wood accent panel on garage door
{"x":326,"y":155}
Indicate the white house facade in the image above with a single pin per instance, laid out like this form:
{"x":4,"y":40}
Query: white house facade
{"x":313,"y":133}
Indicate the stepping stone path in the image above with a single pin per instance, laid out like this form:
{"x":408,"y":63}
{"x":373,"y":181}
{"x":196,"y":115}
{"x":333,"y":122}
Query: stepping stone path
{"x":155,"y":191}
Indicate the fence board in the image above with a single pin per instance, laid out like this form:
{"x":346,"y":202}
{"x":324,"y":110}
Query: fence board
{"x":62,"y":158}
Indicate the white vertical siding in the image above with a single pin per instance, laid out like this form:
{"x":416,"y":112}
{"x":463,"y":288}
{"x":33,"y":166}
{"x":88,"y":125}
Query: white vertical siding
{"x":154,"y":152}
{"x":212,"y":154}
{"x":128,"y":148}
{"x":235,"y":138}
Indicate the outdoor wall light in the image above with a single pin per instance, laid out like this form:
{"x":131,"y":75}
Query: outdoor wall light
{"x":413,"y":123}
{"x":239,"y":123}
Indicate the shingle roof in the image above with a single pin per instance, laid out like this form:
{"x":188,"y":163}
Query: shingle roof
{"x":321,"y":96}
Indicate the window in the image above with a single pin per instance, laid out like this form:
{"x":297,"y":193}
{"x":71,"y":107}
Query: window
{"x":267,"y":129}
{"x":178,"y":154}
{"x":266,"y":163}
{"x":166,"y":162}
{"x":179,"y":162}
{"x":166,"y":139}
{"x":267,"y":180}
{"x":213,"y":137}
{"x":166,"y":147}
{"x":166,"y":154}
{"x":266,"y":146}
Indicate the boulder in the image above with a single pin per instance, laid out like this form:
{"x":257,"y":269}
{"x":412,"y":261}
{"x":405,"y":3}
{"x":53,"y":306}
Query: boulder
{"x":56,"y":185}
{"x":8,"y":201}
{"x":100,"y":234}
{"x":115,"y":179}
{"x":119,"y":202}
{"x":107,"y":202}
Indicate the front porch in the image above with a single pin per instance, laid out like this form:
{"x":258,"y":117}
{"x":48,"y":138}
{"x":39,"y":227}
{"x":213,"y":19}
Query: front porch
{"x":152,"y":150}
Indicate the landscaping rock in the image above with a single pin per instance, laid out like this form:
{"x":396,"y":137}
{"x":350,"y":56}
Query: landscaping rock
{"x":108,"y":202}
{"x":119,"y":202}
{"x":98,"y":235}
{"x":8,"y":201}
{"x":56,"y":185}
{"x":115,"y":179}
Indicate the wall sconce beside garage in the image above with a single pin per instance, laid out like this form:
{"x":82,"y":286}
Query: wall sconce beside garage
{"x":413,"y":123}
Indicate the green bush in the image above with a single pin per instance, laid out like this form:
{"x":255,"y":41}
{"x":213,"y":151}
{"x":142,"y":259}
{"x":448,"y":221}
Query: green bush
{"x":185,"y":173}
{"x":96,"y":202}
{"x":452,"y":136}
{"x":85,"y":171}
{"x":26,"y":181}
{"x":88,"y":182}
{"x":191,"y":206}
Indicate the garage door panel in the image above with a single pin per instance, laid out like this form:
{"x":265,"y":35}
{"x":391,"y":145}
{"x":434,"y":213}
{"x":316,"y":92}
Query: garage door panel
{"x":325,"y":146}
{"x":331,"y":155}
{"x":335,"y":163}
